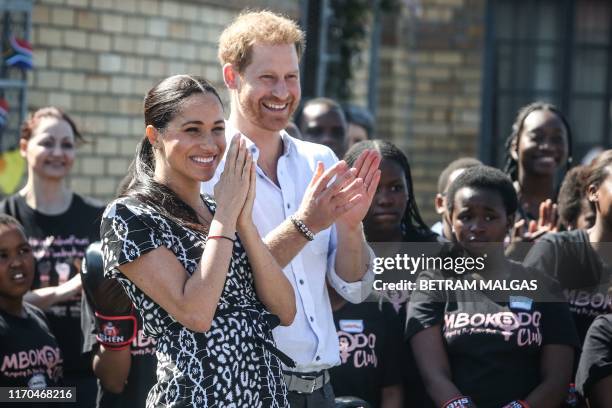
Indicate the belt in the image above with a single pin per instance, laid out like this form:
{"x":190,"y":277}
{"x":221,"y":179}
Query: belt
{"x":305,"y":383}
{"x":271,"y":320}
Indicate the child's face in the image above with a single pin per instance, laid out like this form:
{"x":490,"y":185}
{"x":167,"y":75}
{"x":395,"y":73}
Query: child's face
{"x":479,"y":218}
{"x":391,"y":198}
{"x":16,"y":262}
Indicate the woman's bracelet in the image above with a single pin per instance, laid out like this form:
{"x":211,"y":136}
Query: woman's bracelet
{"x":220,"y":237}
{"x":302,"y":228}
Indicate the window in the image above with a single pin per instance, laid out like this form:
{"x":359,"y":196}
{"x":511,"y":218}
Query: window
{"x":559,"y":51}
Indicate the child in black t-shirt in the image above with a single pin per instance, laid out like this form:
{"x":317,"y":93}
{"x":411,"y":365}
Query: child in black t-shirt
{"x":581,"y":260}
{"x":476,"y":347}
{"x":29,"y":354}
{"x":371,"y":354}
{"x":394,"y":216}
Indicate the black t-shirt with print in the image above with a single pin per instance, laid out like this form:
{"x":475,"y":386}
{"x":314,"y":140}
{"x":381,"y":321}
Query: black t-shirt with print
{"x":493,"y":347}
{"x":596,"y":359}
{"x":29,"y":354}
{"x":58,"y":243}
{"x":370,"y":351}
{"x":415,"y":394}
{"x":569,"y":258}
{"x":415,"y":244}
{"x":142,"y":369}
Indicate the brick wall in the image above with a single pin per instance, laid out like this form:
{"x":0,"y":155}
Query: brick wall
{"x":429,"y":87}
{"x":97,"y":58}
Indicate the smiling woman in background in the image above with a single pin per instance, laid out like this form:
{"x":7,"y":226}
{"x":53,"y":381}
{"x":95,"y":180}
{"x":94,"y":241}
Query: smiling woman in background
{"x":60,"y":224}
{"x":539,"y":145}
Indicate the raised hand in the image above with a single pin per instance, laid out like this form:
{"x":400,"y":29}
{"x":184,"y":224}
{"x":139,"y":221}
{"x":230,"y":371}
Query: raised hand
{"x":323,"y":202}
{"x":245,"y":219}
{"x":233,"y":186}
{"x":366,"y":166}
{"x":547,"y":222}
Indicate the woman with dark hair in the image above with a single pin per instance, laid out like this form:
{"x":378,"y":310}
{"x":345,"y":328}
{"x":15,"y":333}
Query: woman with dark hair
{"x":581,"y":259}
{"x":393,"y":215}
{"x":480,"y":347}
{"x":539,"y":145}
{"x":47,"y":208}
{"x":207,"y":288}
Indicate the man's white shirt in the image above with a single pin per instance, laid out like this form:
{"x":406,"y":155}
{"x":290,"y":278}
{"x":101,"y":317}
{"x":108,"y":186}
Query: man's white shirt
{"x":311,"y":340}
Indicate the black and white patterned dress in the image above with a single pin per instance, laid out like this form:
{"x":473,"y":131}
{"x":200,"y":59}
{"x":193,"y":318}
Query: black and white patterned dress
{"x":235,"y":363}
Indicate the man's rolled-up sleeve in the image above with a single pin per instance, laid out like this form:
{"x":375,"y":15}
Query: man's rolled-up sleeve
{"x":354,"y":292}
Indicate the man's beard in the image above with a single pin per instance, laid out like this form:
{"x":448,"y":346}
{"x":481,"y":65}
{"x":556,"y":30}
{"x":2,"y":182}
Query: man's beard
{"x":254,"y":113}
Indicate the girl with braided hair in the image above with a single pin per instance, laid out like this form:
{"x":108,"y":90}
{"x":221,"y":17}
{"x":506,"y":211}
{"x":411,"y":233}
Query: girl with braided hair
{"x":539,"y":145}
{"x":393,"y":215}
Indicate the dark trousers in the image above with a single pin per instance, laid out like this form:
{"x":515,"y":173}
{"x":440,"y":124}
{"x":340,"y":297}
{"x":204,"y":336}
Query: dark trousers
{"x":321,"y":398}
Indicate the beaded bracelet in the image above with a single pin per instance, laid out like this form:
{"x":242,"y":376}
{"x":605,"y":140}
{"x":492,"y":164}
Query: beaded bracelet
{"x":302,"y":228}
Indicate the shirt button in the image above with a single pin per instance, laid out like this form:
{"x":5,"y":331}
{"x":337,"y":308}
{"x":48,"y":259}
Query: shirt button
{"x":311,"y":319}
{"x":288,"y":205}
{"x":301,"y":281}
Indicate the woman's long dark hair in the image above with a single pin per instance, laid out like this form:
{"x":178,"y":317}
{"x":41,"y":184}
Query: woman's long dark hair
{"x":413,"y":226}
{"x":161,"y":104}
{"x":511,"y":166}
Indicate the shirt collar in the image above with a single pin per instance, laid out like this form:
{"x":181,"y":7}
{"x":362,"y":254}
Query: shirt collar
{"x":288,"y":141}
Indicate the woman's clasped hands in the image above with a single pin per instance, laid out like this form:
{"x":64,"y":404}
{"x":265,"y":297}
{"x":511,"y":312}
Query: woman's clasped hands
{"x":235,"y":191}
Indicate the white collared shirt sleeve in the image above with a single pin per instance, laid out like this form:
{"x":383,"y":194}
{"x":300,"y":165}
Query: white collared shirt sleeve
{"x":354,"y":292}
